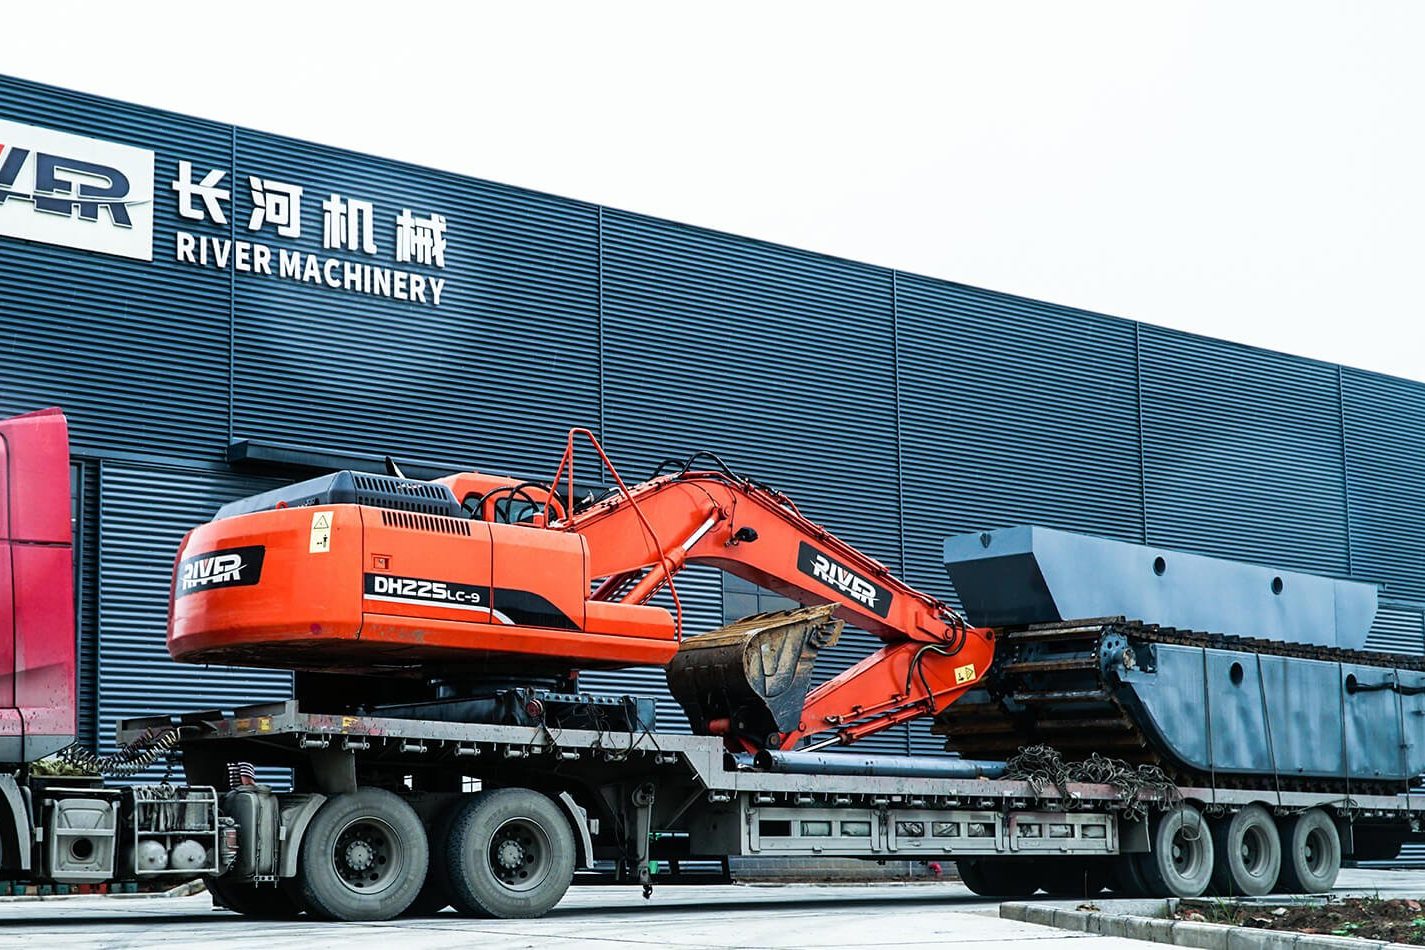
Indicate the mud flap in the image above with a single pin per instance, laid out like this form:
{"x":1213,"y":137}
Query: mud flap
{"x":751,"y":678}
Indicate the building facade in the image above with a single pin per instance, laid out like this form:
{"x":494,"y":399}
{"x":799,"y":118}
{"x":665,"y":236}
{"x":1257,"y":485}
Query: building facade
{"x":216,"y":307}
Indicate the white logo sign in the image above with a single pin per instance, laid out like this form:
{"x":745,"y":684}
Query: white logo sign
{"x":356,"y":237}
{"x":218,"y":569}
{"x":844,"y":580}
{"x":74,"y":191}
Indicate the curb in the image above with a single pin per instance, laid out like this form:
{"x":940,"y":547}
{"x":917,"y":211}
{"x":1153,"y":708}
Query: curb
{"x":186,"y":889}
{"x":1150,"y":920}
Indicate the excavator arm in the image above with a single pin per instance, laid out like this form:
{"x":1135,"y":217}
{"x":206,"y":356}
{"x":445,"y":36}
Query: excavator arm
{"x":639,"y":538}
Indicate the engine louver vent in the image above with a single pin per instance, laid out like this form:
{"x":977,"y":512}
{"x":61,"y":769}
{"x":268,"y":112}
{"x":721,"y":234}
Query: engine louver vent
{"x":401,"y":494}
{"x":419,"y":522}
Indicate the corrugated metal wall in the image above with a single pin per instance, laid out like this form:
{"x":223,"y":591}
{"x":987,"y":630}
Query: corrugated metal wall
{"x":136,"y":351}
{"x":143,"y":515}
{"x":1242,"y":452}
{"x":896,"y":409}
{"x":493,"y":377}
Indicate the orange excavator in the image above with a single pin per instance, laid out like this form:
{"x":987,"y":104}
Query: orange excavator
{"x":475,"y":578}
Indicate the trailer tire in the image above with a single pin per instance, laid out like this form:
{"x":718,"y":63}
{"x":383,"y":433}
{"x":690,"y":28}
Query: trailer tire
{"x":509,"y":853}
{"x":259,"y":902}
{"x":1180,"y":862}
{"x":1311,"y":856}
{"x":996,"y":877}
{"x":1247,"y":853}
{"x":364,"y":857}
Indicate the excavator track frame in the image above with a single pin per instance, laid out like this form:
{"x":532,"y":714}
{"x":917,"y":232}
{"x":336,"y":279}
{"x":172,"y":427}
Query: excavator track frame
{"x":1048,"y":685}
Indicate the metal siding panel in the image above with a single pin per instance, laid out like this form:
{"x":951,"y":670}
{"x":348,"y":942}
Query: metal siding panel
{"x":1012,"y":412}
{"x":1398,"y":628}
{"x":778,"y":360}
{"x":1242,"y":453}
{"x":494,"y":376}
{"x":144,"y":514}
{"x":135,"y":351}
{"x":86,"y":550}
{"x":1385,"y":459}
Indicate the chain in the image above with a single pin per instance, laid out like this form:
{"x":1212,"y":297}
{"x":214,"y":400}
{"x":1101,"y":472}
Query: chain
{"x":1138,"y":786}
{"x":128,"y":760}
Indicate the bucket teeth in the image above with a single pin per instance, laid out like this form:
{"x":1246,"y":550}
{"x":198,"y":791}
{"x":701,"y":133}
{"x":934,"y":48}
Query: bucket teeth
{"x":751,"y":677}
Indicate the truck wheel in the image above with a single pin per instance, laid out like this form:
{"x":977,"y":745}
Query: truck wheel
{"x":509,"y":853}
{"x":1247,"y":853}
{"x":1180,"y":864}
{"x":1311,"y":856}
{"x":267,"y":902}
{"x":364,"y":857}
{"x":996,"y":877}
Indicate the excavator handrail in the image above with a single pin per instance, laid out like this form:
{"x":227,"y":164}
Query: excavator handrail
{"x":568,"y":460}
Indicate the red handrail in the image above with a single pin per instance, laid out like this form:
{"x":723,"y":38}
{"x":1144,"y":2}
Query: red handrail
{"x":568,"y":460}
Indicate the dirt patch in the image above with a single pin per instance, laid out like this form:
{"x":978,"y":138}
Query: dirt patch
{"x":1399,"y":921}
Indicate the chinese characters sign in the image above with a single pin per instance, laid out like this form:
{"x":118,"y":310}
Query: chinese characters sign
{"x":357,"y":249}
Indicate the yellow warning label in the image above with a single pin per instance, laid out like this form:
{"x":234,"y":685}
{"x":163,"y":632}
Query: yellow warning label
{"x":964,"y":674}
{"x":321,"y":532}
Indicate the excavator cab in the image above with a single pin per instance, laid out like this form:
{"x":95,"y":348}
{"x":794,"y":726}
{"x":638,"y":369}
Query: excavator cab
{"x":503,"y":500}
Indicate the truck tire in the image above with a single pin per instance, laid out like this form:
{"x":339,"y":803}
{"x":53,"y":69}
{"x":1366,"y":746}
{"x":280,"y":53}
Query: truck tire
{"x":509,"y":853}
{"x":265,"y":902}
{"x":1180,"y":862}
{"x":1247,"y":853}
{"x":996,"y":877}
{"x":1311,"y":853}
{"x":364,"y":857}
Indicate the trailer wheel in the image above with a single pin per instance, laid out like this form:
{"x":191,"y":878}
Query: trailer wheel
{"x":364,"y":857}
{"x":1180,"y":864}
{"x":509,"y":853}
{"x":1248,"y":853}
{"x":268,"y":902}
{"x":996,"y":877}
{"x":1312,"y":853}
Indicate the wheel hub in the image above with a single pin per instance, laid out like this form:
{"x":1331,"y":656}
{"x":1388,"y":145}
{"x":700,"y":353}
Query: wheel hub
{"x":359,"y":855}
{"x":510,"y":854}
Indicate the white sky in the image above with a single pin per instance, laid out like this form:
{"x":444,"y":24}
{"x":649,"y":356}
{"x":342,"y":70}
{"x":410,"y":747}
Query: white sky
{"x":1248,"y":170}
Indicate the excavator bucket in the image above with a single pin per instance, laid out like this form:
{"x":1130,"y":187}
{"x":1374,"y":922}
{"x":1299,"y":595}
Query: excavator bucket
{"x":750,"y":678}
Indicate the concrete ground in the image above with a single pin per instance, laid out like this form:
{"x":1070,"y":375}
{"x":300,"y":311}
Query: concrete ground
{"x":783,"y":915}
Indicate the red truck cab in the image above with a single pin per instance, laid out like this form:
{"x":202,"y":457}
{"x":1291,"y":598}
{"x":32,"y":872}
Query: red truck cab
{"x":37,"y":649}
